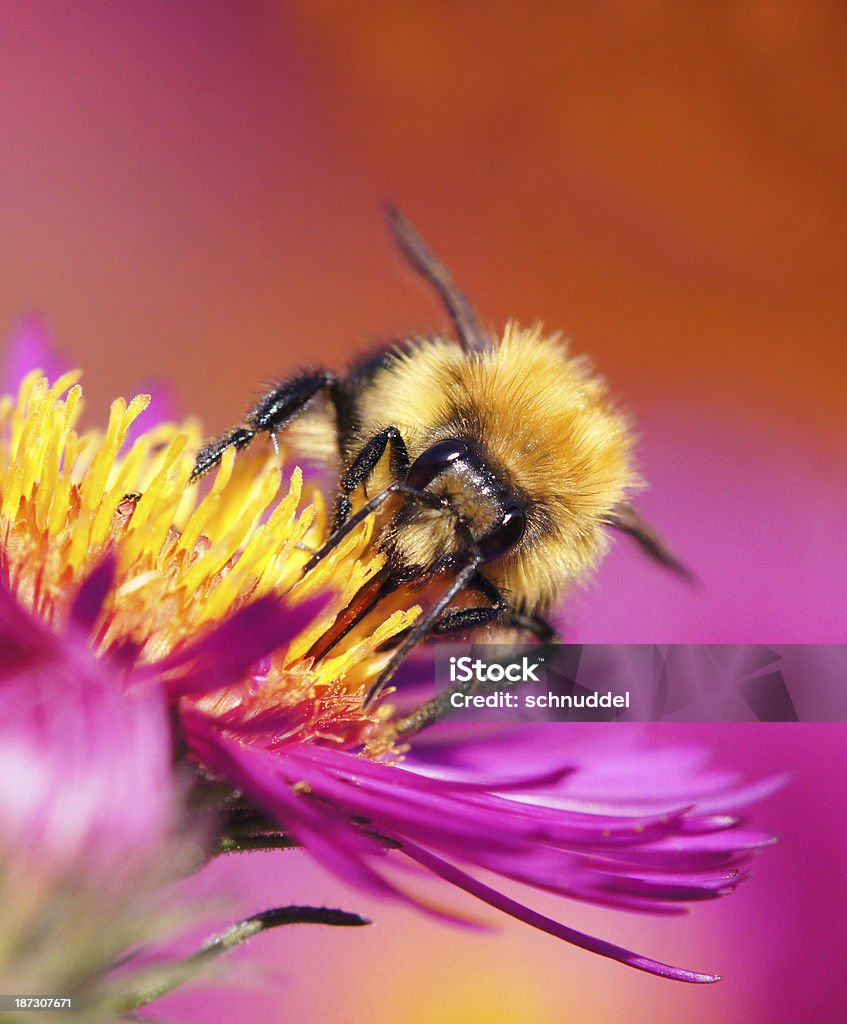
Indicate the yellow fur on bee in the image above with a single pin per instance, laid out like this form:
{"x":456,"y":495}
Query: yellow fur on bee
{"x":546,"y":426}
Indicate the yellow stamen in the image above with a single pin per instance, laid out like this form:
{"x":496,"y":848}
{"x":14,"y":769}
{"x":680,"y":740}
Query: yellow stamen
{"x":187,"y":556}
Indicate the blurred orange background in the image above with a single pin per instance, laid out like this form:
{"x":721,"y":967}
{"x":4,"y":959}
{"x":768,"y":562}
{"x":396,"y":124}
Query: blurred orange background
{"x":192,"y":190}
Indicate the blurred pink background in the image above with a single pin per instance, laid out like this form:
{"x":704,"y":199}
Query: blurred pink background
{"x":191,"y":191}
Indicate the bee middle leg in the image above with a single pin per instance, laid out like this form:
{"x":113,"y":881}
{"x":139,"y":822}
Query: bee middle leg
{"x":466,"y":618}
{"x":470,"y":618}
{"x":460,"y":619}
{"x":535,"y":624}
{"x":365,"y":463}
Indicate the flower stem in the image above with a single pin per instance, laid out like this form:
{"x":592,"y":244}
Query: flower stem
{"x":230,"y":938}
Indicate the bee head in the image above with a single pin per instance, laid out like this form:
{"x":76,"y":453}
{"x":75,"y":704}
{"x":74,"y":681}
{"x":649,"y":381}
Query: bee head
{"x":473,"y":510}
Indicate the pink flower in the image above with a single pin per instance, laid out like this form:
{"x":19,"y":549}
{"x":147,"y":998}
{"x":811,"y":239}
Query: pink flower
{"x":130,"y":589}
{"x":91,"y":841}
{"x":635,"y":829}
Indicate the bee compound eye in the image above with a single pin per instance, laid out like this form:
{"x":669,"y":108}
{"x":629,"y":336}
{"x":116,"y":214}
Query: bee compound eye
{"x":503,"y":537}
{"x":434,"y":461}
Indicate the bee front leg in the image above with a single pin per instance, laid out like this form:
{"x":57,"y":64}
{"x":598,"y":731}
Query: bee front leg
{"x":271,"y":414}
{"x":365,"y":463}
{"x":212,"y":453}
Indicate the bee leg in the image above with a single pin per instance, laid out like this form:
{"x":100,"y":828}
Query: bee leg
{"x":626,"y":519}
{"x":426,"y":714}
{"x":368,"y":597}
{"x":535,"y":624}
{"x":461,"y":619}
{"x":430,"y":500}
{"x":365,"y":463}
{"x":271,"y":414}
{"x":469,"y":618}
{"x":278,"y":407}
{"x":212,"y":453}
{"x":457,"y":621}
{"x":421,"y":628}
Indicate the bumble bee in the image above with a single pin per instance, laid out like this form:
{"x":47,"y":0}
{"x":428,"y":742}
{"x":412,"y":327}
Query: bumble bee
{"x":499,"y":462}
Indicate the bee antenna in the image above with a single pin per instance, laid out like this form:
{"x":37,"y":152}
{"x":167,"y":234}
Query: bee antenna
{"x":465,"y":319}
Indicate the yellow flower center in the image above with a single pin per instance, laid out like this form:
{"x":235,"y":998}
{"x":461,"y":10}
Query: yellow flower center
{"x":187,"y":556}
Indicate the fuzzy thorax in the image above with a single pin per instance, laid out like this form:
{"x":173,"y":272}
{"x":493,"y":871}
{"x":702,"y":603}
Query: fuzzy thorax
{"x":548,"y":433}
